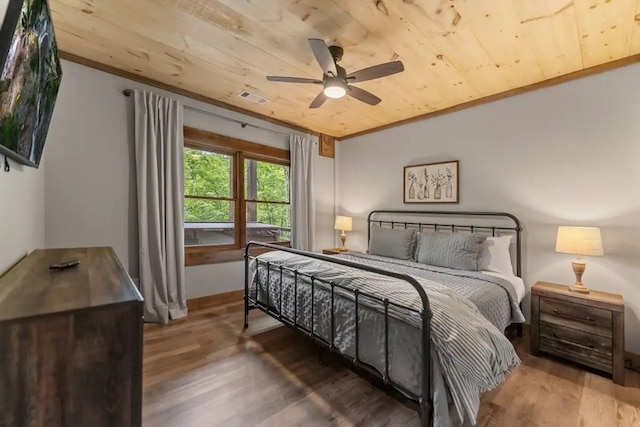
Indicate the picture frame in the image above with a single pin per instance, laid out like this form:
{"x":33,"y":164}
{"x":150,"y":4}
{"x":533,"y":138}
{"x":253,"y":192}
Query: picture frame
{"x":432,"y":183}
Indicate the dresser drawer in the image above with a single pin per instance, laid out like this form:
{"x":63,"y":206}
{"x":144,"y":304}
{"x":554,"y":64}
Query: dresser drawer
{"x":576,"y":316}
{"x":587,"y":341}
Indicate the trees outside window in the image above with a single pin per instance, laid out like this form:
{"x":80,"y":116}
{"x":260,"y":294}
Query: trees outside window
{"x":220,"y":218}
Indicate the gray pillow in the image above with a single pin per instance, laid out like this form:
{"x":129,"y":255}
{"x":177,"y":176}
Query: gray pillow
{"x":393,"y":243}
{"x":451,"y":250}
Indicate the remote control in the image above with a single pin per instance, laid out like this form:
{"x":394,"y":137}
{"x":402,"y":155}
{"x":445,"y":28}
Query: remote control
{"x":64,"y":265}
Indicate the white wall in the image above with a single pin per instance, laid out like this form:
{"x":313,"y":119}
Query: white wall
{"x":4,"y":4}
{"x":90,"y":178}
{"x":565,"y":155}
{"x":21,"y":212}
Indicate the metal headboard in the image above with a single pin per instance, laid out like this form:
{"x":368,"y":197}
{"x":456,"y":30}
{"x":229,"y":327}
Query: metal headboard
{"x":435,"y":226}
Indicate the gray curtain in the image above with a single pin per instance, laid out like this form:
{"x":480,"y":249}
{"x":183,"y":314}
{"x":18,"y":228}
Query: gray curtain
{"x":159,"y":171}
{"x":302,"y":206}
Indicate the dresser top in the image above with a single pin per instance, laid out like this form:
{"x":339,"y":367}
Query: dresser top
{"x":594,"y":298}
{"x":30,"y":288}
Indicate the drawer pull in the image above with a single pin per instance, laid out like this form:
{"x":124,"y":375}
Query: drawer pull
{"x":589,"y":318}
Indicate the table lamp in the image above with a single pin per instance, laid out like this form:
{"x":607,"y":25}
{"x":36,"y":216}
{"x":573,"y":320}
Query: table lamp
{"x":343,"y":223}
{"x":579,"y":241}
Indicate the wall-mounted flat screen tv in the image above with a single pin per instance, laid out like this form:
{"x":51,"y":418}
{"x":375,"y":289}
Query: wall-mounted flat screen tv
{"x":30,"y":76}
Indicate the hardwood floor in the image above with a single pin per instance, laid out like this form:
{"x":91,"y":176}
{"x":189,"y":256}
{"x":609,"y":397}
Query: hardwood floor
{"x":203,"y":371}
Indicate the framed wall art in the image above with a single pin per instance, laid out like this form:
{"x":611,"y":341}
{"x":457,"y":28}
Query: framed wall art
{"x":432,"y":183}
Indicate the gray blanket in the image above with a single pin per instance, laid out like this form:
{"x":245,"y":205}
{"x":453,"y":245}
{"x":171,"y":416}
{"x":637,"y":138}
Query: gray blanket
{"x":471,"y":355}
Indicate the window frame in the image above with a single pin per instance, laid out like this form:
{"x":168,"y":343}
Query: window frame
{"x":239,"y":150}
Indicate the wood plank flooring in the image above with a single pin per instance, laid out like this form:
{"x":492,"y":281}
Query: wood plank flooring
{"x":204,"y":371}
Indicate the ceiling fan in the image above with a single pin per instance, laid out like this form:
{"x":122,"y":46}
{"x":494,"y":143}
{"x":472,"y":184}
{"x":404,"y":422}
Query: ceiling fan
{"x":335,"y":79}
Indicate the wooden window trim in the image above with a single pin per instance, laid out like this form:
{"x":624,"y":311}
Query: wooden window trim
{"x":259,"y":158}
{"x":196,"y":138}
{"x":240,"y":151}
{"x":199,"y":255}
{"x":266,"y":201}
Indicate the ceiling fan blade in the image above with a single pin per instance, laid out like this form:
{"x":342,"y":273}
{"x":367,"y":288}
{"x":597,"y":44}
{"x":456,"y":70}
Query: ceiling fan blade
{"x":375,"y":72}
{"x":293,"y":80}
{"x":363,"y":95}
{"x":323,"y":56}
{"x":318,"y":100}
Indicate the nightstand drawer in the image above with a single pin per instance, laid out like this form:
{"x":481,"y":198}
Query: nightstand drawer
{"x":587,"y":341}
{"x":576,"y":316}
{"x":577,"y":353}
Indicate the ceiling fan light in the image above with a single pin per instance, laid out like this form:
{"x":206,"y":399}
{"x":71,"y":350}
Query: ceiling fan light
{"x":335,"y":89}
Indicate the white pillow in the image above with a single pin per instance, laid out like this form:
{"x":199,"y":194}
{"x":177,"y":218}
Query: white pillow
{"x":495,"y":255}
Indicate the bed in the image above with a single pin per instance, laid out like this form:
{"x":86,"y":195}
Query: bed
{"x":433,"y":333}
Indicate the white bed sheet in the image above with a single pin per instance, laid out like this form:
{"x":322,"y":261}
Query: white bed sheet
{"x":516,"y":281}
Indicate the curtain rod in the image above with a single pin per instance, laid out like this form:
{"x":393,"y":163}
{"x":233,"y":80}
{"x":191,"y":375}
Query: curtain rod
{"x":129,"y":92}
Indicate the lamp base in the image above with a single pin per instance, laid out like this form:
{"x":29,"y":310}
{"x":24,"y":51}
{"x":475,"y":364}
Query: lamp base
{"x":578,"y":268}
{"x":343,"y":237}
{"x":579,"y":288}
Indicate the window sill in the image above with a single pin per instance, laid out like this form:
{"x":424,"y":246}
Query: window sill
{"x":201,"y":255}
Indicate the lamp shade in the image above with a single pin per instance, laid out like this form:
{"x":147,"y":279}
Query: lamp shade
{"x":579,"y":241}
{"x":343,"y":223}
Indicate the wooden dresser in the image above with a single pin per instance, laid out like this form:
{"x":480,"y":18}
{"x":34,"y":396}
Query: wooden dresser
{"x":584,"y":328}
{"x":71,"y":342}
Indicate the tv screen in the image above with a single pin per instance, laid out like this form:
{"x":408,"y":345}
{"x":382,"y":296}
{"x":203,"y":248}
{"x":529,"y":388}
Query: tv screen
{"x":30,"y":76}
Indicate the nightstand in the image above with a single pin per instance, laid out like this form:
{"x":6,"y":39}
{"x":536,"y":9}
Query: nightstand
{"x":583,"y":328}
{"x":332,"y":251}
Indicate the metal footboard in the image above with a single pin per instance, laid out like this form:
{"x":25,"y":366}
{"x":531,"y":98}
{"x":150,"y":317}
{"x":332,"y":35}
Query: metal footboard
{"x":425,"y":398}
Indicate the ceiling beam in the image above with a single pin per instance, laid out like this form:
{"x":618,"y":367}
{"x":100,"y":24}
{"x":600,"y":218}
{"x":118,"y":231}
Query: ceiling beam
{"x":150,"y":82}
{"x":516,"y":91}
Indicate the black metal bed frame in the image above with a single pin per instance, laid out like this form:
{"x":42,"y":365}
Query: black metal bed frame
{"x":425,"y":398}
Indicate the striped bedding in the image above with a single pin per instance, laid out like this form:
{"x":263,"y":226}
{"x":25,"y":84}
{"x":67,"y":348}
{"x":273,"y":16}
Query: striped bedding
{"x":471,"y":355}
{"x":496,"y":298}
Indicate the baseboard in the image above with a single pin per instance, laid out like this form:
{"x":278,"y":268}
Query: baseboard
{"x":214,"y":300}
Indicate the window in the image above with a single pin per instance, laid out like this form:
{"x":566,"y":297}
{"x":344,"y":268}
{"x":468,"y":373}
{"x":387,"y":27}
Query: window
{"x":209,"y":205}
{"x":219,"y":217}
{"x":267,"y":201}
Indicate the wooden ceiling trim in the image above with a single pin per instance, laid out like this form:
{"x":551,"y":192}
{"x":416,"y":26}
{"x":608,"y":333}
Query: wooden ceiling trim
{"x":517,"y":91}
{"x":150,"y":82}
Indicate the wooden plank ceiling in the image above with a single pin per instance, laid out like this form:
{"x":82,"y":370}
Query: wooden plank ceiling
{"x":454,"y":51}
